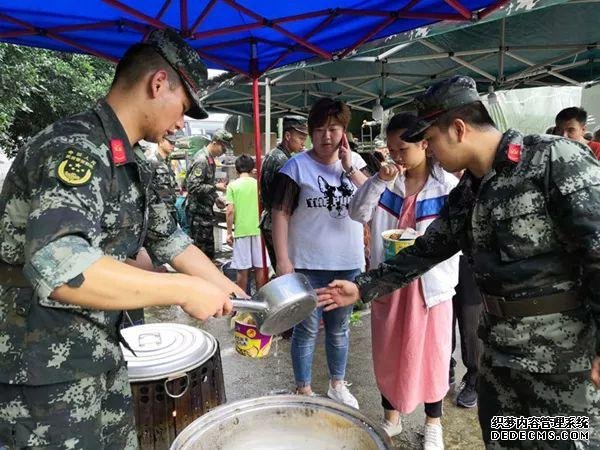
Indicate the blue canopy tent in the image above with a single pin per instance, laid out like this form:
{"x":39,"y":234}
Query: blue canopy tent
{"x":244,"y":36}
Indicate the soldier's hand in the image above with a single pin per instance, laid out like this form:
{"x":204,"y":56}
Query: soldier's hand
{"x":207,"y":300}
{"x":595,"y":375}
{"x":229,"y":239}
{"x":221,"y":186}
{"x":387,"y":172}
{"x":284,"y":267}
{"x":337,"y":294}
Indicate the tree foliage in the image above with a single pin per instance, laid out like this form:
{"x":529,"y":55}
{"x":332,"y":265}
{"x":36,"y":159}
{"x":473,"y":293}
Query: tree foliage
{"x":38,"y":87}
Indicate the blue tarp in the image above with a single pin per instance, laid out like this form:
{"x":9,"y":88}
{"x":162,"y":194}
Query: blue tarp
{"x":225,"y":31}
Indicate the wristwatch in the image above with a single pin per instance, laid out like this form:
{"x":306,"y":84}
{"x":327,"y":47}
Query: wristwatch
{"x":350,"y":171}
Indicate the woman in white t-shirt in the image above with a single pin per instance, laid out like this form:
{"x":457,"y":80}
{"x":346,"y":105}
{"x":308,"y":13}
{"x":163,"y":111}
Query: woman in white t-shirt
{"x":314,"y":235}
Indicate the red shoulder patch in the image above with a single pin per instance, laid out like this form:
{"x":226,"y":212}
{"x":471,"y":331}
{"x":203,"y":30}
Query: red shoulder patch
{"x":117,"y":149}
{"x":514,"y":152}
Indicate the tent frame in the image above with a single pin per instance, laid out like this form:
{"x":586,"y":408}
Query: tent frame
{"x":190,"y":29}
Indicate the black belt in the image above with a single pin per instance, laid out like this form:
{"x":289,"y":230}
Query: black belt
{"x":533,"y":306}
{"x":13,"y":276}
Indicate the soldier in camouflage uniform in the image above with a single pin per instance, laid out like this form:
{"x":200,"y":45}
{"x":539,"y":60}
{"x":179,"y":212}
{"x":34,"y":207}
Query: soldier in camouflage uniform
{"x":165,"y":181}
{"x":202,"y":192}
{"x":295,"y":132}
{"x":77,"y":202}
{"x":527,"y":216}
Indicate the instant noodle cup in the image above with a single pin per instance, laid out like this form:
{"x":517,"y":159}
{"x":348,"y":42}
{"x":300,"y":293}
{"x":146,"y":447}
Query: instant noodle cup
{"x":248,"y":340}
{"x":393,"y":241}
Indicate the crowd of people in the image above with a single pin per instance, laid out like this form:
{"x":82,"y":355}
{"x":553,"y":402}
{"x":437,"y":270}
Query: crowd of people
{"x":508,"y":242}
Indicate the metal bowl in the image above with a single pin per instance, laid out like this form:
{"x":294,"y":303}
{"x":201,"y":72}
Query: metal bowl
{"x":283,"y":422}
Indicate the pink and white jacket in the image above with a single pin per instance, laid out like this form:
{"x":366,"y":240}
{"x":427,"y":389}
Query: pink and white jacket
{"x":381,"y":203}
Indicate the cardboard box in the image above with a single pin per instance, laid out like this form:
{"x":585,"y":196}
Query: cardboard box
{"x":244,"y":143}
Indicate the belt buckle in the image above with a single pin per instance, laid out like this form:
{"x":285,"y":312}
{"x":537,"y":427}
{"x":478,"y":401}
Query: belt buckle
{"x":493,"y":304}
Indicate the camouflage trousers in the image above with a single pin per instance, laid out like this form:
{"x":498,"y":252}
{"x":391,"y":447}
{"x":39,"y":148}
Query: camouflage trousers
{"x":90,"y":413}
{"x":201,"y":232}
{"x":503,"y":391}
{"x":268,"y":239}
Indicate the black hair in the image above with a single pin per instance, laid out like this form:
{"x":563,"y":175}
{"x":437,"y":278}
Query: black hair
{"x":244,"y":164}
{"x":401,"y":121}
{"x":574,"y":112}
{"x":404,"y":121}
{"x":139,"y":60}
{"x":475,"y":114}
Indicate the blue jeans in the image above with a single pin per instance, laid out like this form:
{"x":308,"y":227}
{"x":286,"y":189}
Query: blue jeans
{"x":336,"y":331}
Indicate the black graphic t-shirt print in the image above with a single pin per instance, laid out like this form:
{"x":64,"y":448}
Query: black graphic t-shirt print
{"x":335,"y":198}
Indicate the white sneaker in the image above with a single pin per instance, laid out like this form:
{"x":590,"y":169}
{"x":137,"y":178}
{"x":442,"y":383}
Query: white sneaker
{"x":392,"y":429}
{"x":434,"y":438}
{"x":341,"y":394}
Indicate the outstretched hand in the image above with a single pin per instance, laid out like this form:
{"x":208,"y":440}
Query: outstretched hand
{"x":337,"y":294}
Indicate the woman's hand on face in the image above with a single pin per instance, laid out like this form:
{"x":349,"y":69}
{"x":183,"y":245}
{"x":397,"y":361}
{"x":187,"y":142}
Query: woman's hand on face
{"x":387,"y":172}
{"x":344,"y":153}
{"x":337,"y":294}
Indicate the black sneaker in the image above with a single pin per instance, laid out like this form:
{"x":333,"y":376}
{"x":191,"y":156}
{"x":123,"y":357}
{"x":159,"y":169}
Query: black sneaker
{"x":467,"y":397}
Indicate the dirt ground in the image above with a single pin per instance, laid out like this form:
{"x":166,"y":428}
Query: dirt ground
{"x":250,"y":377}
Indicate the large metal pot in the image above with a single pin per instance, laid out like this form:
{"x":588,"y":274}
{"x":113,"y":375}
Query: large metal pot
{"x":284,"y":422}
{"x":176,"y":376}
{"x":280,"y":304}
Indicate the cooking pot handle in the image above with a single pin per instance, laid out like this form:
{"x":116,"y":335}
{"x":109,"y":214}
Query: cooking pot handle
{"x":242,"y":304}
{"x":176,"y":377}
{"x":142,"y":336}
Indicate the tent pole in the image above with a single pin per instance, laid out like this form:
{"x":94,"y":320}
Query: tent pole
{"x":258,"y":155}
{"x":460,"y":61}
{"x":267,"y":115}
{"x":540,"y":66}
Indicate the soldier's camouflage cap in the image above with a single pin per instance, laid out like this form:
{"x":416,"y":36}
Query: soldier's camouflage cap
{"x":186,"y":63}
{"x":224,"y":137}
{"x":297,"y":123}
{"x":171,"y":138}
{"x":438,"y":99}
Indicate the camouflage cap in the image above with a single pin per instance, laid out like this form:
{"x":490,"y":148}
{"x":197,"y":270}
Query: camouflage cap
{"x":297,"y":123}
{"x":171,"y":138}
{"x":438,"y":99}
{"x":186,"y":63}
{"x":224,"y":137}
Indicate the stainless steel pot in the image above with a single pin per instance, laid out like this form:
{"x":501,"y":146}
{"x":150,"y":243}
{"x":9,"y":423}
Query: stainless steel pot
{"x":284,"y":422}
{"x":280,"y":304}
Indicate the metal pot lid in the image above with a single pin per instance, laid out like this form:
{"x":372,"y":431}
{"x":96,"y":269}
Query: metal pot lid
{"x":164,"y":349}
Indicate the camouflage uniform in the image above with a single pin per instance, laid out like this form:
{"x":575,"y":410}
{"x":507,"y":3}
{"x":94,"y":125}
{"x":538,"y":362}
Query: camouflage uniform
{"x":97,"y":410}
{"x":200,"y":185}
{"x":56,"y":224}
{"x":529,"y":228}
{"x":274,"y":161}
{"x":165,"y":183}
{"x":76,"y":192}
{"x":271,"y":165}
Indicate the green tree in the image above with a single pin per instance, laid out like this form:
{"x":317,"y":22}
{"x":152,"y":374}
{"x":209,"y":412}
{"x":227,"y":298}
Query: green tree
{"x":38,"y":87}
